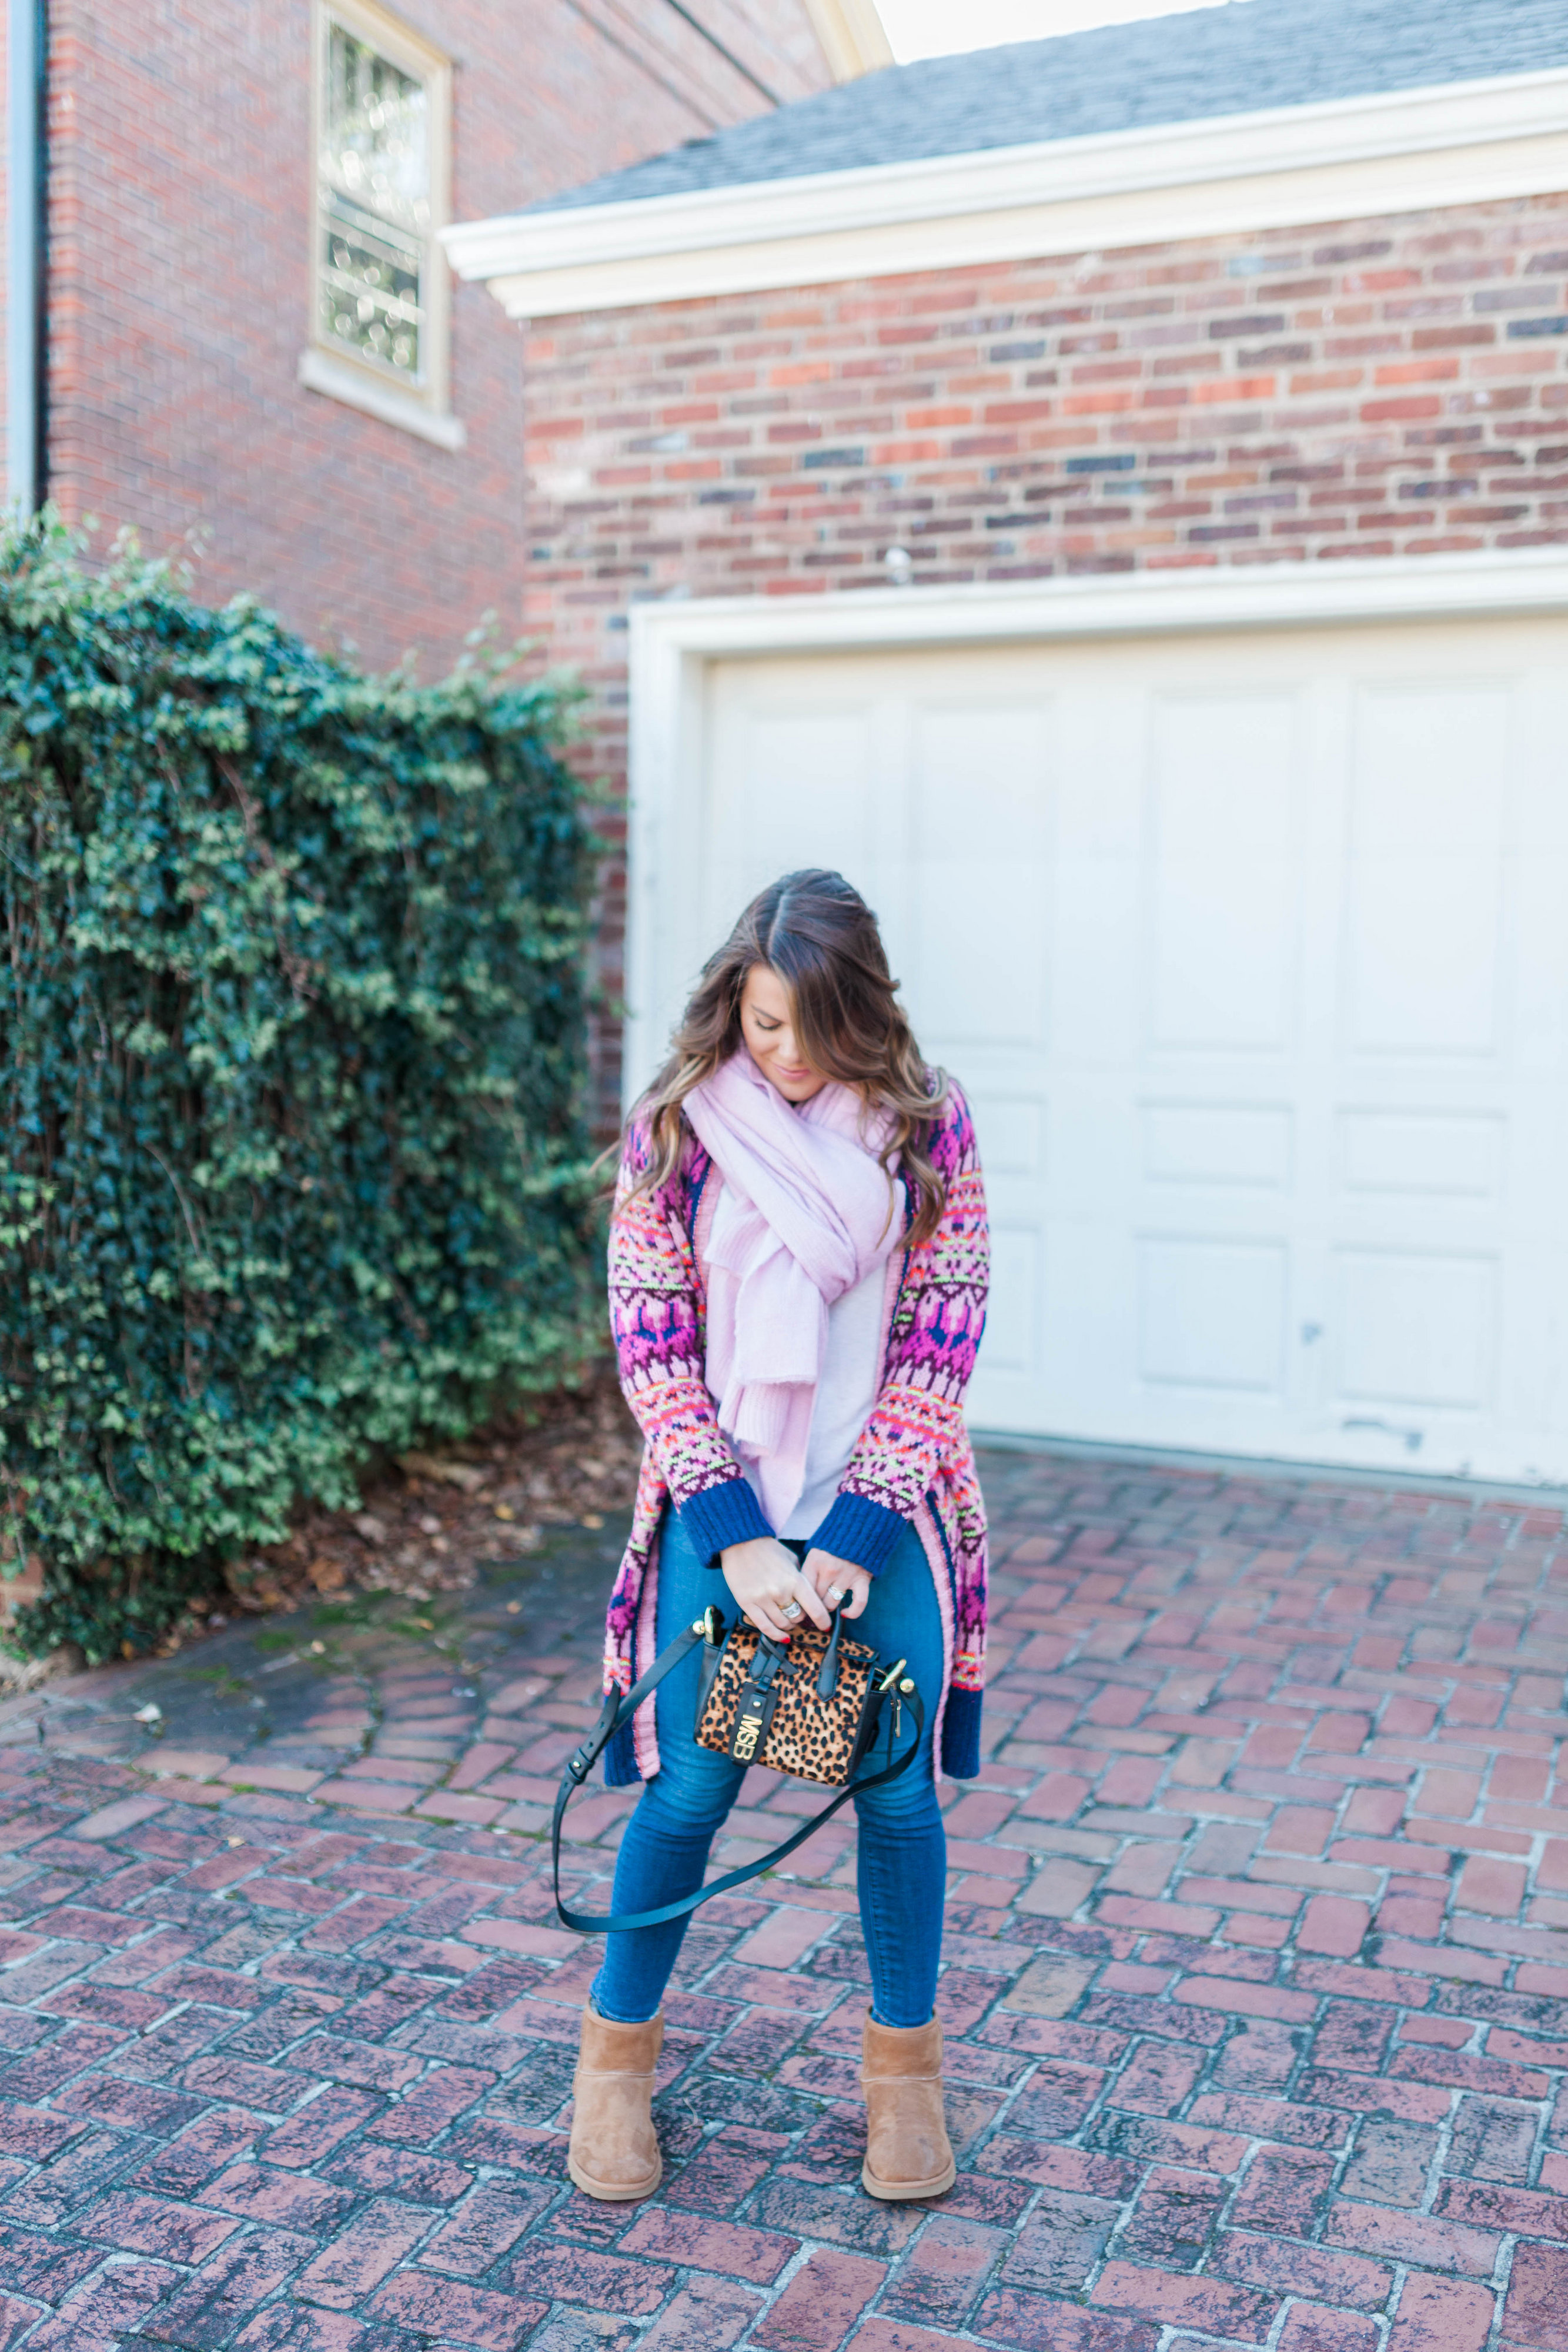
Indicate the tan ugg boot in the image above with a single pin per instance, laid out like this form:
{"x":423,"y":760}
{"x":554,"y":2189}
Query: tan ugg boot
{"x":906,"y":2152}
{"x":613,"y":2154}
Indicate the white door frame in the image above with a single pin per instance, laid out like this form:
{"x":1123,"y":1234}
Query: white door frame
{"x":671,"y":642}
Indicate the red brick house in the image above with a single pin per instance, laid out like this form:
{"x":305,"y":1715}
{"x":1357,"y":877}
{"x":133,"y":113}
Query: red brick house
{"x":1110,"y":496}
{"x":229,"y":311}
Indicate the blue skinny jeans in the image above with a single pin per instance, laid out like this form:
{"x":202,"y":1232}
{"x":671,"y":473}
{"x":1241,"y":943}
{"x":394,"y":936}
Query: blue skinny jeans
{"x":903,"y":1871}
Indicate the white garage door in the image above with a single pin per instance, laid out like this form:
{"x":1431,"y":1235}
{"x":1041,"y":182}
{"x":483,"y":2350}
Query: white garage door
{"x":1252,"y":953}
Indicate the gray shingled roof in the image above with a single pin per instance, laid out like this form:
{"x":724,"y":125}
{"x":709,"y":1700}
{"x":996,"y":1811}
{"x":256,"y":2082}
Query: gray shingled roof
{"x":1214,"y":61}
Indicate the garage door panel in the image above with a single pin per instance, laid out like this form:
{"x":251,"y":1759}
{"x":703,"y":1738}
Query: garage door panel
{"x":1426,"y":859}
{"x":981,"y":825}
{"x":794,"y":778}
{"x":1100,"y":796}
{"x":1224,"y":870}
{"x":1422,"y":976}
{"x":1014,"y":1129}
{"x":1417,"y":1327}
{"x":1012,"y":1312}
{"x":1212,"y":1312}
{"x":1093,"y":1149}
{"x":1251,"y":955}
{"x":1223,"y":1143}
{"x":1093,"y":926}
{"x":1459,"y":1156}
{"x":1538,"y":898}
{"x":1089,"y":1302}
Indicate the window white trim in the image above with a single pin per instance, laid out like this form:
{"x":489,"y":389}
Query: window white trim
{"x":670,"y":645}
{"x":337,"y":376}
{"x":1464,"y":142}
{"x":325,"y":366}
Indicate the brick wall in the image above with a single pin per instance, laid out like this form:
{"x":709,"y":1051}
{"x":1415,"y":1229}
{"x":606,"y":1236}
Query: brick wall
{"x":180,"y":297}
{"x":1372,"y":388}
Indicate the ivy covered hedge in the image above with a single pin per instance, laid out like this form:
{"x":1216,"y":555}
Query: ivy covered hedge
{"x":291,"y":1042}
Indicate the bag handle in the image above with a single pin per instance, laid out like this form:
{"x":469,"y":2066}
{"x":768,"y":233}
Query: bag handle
{"x":828,"y":1673}
{"x":615,"y":1708}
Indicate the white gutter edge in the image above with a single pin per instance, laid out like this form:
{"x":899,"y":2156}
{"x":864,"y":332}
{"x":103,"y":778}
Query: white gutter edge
{"x":1272,"y":141}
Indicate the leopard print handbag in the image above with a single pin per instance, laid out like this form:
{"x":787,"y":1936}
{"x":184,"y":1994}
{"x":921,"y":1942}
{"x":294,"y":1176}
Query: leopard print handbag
{"x":808,"y":1708}
{"x":812,"y":1707}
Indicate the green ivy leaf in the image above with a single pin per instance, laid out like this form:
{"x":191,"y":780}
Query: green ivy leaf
{"x":294,"y":1167}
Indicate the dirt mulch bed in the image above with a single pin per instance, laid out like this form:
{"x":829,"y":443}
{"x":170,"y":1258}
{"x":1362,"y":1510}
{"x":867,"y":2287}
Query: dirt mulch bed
{"x":428,"y":1522}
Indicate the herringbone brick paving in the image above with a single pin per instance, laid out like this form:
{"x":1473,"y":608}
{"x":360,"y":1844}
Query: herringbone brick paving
{"x":1255,"y":1986}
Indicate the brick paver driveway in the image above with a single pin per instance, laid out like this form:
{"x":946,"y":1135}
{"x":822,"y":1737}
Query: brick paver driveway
{"x":1255,"y":1991}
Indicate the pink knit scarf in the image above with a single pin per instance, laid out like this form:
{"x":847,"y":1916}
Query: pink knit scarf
{"x":805,"y":1212}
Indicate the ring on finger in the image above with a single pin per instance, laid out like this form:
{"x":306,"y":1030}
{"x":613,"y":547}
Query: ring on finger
{"x":836,"y":1595}
{"x":792,"y":1609}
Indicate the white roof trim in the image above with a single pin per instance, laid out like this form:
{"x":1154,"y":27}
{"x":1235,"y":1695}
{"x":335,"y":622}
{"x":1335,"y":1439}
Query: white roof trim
{"x":1461,"y":142}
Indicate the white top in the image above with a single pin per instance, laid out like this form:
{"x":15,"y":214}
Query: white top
{"x":851,"y":1375}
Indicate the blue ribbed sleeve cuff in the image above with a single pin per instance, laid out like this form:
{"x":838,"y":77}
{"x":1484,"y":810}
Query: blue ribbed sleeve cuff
{"x":620,"y":1758}
{"x":866,"y":1533}
{"x":961,"y":1734}
{"x":729,"y":1513}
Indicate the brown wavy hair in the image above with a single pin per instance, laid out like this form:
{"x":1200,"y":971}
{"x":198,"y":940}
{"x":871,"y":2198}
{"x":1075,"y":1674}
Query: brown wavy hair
{"x":816,"y":931}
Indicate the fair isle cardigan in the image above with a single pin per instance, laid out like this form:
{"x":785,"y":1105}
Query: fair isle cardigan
{"x":913,"y":1463}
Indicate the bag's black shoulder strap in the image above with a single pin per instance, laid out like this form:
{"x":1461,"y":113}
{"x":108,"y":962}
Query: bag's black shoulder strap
{"x":619,"y":1709}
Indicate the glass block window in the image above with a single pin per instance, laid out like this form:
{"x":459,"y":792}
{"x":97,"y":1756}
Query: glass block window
{"x":382,"y":162}
{"x":374,"y":192}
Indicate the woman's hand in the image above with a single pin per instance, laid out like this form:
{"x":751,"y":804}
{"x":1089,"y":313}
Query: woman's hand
{"x":840,"y":1582}
{"x":765,"y":1578}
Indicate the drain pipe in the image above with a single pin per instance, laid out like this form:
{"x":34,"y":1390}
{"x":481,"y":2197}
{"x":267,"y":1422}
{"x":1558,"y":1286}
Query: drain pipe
{"x":27,"y":352}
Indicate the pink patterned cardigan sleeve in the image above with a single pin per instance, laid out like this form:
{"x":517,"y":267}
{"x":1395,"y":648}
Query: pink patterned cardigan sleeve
{"x":657,"y":1321}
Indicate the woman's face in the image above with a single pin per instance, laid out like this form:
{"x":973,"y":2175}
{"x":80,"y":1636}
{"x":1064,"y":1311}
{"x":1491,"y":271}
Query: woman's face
{"x":767,"y":1026}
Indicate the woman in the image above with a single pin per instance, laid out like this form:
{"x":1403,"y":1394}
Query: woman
{"x":798,"y":1268}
